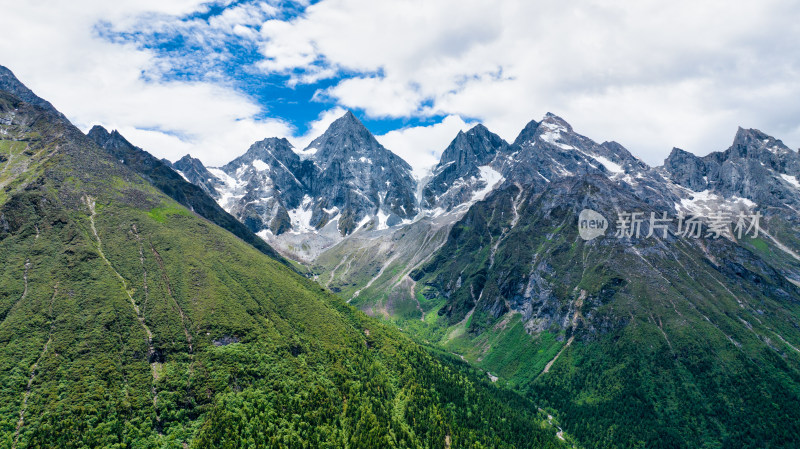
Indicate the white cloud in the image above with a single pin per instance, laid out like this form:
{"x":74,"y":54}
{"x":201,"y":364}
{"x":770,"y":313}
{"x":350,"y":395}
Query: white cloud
{"x":57,"y":53}
{"x":422,"y":146}
{"x":649,"y":74}
{"x":378,"y":97}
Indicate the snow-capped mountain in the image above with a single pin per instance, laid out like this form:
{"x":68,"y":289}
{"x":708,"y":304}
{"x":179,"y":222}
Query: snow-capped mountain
{"x":756,"y":167}
{"x":357,"y":180}
{"x":304,"y":201}
{"x":467,"y":170}
{"x":550,"y":150}
{"x":343,"y":181}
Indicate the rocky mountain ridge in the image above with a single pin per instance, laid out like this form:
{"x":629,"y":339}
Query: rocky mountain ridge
{"x":305,"y":201}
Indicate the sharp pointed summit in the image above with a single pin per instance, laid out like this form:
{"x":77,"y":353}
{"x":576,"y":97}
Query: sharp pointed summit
{"x":343,"y":181}
{"x":359,"y":179}
{"x":528,"y":133}
{"x":195,"y":172}
{"x":464,"y":173}
{"x":756,"y":166}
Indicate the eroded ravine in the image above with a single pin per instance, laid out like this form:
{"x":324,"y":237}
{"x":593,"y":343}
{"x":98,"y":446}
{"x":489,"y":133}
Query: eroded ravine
{"x":90,"y":203}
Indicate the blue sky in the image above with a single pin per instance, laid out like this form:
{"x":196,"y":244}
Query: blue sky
{"x":231,"y":59}
{"x":188,"y":76}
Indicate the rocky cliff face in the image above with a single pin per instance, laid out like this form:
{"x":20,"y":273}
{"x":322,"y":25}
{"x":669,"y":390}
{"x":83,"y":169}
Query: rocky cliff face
{"x":195,"y":172}
{"x":756,"y":166}
{"x":10,"y":84}
{"x":466,"y":171}
{"x":343,"y":180}
{"x":359,"y":180}
{"x":267,"y":186}
{"x":550,"y":150}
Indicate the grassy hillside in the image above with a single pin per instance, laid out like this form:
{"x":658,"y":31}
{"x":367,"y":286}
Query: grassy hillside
{"x":170,"y":182}
{"x":128,"y":321}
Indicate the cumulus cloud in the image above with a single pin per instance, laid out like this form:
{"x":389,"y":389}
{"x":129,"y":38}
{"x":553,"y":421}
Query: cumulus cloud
{"x":422,"y":146}
{"x":650,"y":74}
{"x":55,"y":49}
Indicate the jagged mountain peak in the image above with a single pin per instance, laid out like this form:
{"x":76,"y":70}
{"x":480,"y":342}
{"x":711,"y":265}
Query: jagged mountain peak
{"x":551,"y":124}
{"x":464,"y":174}
{"x":477,"y":145}
{"x":345,"y":135}
{"x":187,"y":158}
{"x":266,"y":150}
{"x":193,"y":170}
{"x":528,"y":133}
{"x":188,"y":162}
{"x":347,"y":138}
{"x":350,"y":117}
{"x":753,"y":142}
{"x":347,"y":123}
{"x":358,"y":177}
{"x":479,"y":128}
{"x":756,"y":166}
{"x":678,"y":153}
{"x":554,"y":120}
{"x":106,"y":139}
{"x":98,"y":130}
{"x":552,"y":127}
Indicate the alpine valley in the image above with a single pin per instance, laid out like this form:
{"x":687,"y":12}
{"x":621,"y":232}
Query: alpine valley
{"x":653,"y":340}
{"x":142,"y":303}
{"x":137,"y":313}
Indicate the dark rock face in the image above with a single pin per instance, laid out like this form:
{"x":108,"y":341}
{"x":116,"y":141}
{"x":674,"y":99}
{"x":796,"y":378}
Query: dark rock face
{"x":358,"y":177}
{"x":270,"y":171}
{"x":345,"y":175}
{"x":550,"y":150}
{"x":686,"y":169}
{"x":457,"y":176}
{"x":552,"y":173}
{"x":194,"y":171}
{"x":756,"y":166}
{"x":543,"y":152}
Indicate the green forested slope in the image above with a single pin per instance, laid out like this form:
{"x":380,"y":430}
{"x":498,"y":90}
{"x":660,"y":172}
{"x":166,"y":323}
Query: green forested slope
{"x":170,"y":182}
{"x":127,"y":321}
{"x":651,"y":343}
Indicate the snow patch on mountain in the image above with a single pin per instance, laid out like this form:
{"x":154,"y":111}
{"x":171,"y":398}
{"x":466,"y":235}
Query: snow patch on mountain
{"x":610,"y":165}
{"x":791,"y":180}
{"x":492,"y":178}
{"x":553,"y":135}
{"x":308,"y":152}
{"x":382,"y":219}
{"x":706,"y":203}
{"x":260,"y":165}
{"x":183,"y":176}
{"x":301,"y":217}
{"x":231,"y":189}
